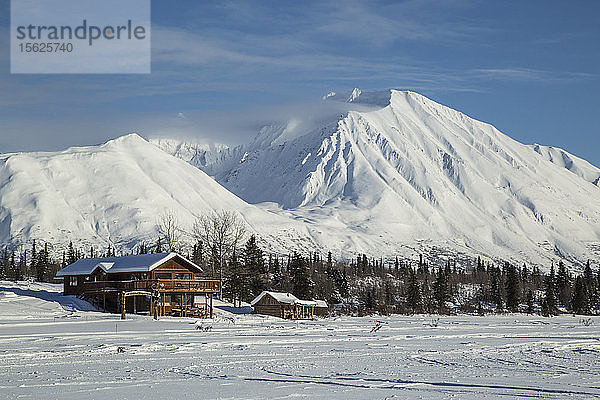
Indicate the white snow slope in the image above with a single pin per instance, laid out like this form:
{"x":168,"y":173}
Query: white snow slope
{"x":201,"y":155}
{"x":405,"y":178}
{"x":113,"y":194}
{"x":414,"y":174}
{"x":50,"y":350}
{"x":566,"y":160}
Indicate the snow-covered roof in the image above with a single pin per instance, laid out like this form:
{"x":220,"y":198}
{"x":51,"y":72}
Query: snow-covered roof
{"x":307,"y":302}
{"x":321,"y":304}
{"x":287,"y":298}
{"x":137,"y":263}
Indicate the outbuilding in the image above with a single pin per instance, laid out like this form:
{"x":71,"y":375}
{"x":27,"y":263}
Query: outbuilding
{"x":285,"y":305}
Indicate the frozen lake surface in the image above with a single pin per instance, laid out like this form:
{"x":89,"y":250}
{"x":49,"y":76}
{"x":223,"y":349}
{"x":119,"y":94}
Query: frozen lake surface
{"x":51,"y":347}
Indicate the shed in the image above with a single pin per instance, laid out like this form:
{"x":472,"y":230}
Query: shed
{"x":285,"y":305}
{"x":321,"y":308}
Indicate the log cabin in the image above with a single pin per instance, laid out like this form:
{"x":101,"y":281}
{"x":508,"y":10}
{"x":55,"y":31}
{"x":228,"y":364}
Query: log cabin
{"x":154,"y":284}
{"x":287,"y":306}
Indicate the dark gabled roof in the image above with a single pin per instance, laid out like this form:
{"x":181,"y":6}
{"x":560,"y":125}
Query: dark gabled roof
{"x":112,"y":265}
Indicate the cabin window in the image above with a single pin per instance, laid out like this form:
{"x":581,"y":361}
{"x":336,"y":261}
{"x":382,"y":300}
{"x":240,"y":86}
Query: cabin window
{"x":167,"y":300}
{"x":142,"y":276}
{"x":73,"y":280}
{"x":162,"y":275}
{"x":183,"y":276}
{"x":201,"y":299}
{"x":176,"y":300}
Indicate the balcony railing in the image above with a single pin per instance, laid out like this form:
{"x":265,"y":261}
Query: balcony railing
{"x":162,"y":285}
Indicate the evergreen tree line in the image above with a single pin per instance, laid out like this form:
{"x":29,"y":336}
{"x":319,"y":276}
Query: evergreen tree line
{"x":367,"y":285}
{"x":360,"y":286}
{"x":37,"y":263}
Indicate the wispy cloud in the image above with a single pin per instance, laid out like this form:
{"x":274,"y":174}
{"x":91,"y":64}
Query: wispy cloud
{"x":532,"y":75}
{"x":380,"y":23}
{"x":220,"y":57}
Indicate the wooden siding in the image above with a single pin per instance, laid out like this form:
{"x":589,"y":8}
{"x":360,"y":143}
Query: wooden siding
{"x":105,"y":290}
{"x":268,"y":305}
{"x":174,"y":285}
{"x":172,"y":267}
{"x":273,"y":310}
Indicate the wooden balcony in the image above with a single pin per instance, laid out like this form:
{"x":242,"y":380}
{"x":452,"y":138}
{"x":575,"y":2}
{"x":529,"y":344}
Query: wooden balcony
{"x":163,"y":286}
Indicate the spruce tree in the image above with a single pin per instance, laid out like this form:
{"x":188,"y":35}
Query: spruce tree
{"x":529,"y":302}
{"x":71,"y":256}
{"x":549,"y":301}
{"x":563,"y":285}
{"x":4,"y":268}
{"x":41,"y":266}
{"x":496,"y":289}
{"x":236,"y":281}
{"x":580,"y":303}
{"x":22,"y":267}
{"x":441,"y":291}
{"x":413,"y":293}
{"x":15,"y":273}
{"x":254,"y":264}
{"x":592,"y":286}
{"x":513,"y":290}
{"x":302,"y":284}
{"x":276,"y":275}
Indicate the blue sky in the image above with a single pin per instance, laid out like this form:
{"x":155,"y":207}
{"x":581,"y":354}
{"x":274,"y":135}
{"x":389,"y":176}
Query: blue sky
{"x":530,"y":68}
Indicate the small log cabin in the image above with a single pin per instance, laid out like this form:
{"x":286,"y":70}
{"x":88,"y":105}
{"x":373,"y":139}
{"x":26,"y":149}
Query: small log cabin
{"x":155,"y":284}
{"x":287,"y":306}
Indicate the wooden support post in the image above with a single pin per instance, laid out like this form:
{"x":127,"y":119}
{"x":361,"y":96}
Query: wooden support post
{"x":122,"y":306}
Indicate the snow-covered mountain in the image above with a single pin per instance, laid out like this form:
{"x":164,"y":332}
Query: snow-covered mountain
{"x":113,"y":194}
{"x":397,"y":175}
{"x":415,"y":174}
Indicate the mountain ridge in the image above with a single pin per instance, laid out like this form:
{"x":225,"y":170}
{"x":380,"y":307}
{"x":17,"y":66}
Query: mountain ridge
{"x":448,"y":174}
{"x":113,"y":194}
{"x":407,"y":178}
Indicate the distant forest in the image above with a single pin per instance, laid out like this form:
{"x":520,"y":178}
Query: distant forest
{"x":361,"y":286}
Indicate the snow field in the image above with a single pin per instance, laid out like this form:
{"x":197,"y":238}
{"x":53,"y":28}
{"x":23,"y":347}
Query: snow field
{"x":51,"y":348}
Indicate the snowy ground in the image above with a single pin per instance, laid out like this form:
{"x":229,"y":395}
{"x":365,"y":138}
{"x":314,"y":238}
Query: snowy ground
{"x":50,"y":347}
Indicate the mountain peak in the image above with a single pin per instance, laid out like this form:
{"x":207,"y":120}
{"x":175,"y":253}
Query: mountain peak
{"x":357,"y":96}
{"x":424,"y":170}
{"x":347,"y":96}
{"x":128,"y":139}
{"x":354,"y":95}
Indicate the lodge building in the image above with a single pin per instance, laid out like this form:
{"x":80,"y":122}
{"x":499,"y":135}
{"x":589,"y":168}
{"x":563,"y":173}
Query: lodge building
{"x":154,"y":284}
